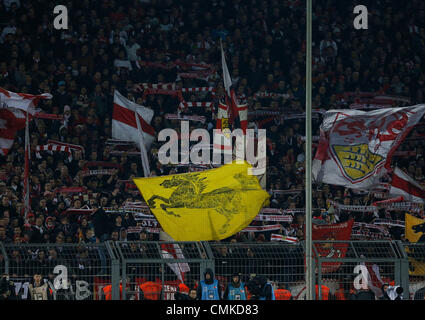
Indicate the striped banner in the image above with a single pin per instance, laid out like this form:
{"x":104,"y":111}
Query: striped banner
{"x":279,"y":237}
{"x":280,"y":218}
{"x":272,"y":227}
{"x":183,"y":106}
{"x":196,"y":118}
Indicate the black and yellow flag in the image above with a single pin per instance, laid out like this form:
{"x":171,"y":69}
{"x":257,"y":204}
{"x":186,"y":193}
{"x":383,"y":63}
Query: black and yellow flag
{"x":201,"y":206}
{"x":415,"y":232}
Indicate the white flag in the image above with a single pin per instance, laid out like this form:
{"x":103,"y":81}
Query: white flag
{"x":356,"y":147}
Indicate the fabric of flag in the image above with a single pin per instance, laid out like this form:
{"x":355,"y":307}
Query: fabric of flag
{"x":415,"y":232}
{"x":243,"y":116}
{"x":11,"y":120}
{"x":21,"y":101}
{"x":327,"y":249}
{"x":403,"y":185}
{"x":131,"y":122}
{"x":209,"y":205}
{"x":124,"y":122}
{"x":222,"y":142}
{"x":13,"y":108}
{"x":173,"y":251}
{"x":356,"y":147}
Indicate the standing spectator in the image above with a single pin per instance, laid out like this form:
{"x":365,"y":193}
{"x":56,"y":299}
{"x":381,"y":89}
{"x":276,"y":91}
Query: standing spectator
{"x":235,"y":289}
{"x":208,"y":288}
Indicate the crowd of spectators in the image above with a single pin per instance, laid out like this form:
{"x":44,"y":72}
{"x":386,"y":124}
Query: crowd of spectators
{"x":103,"y":50}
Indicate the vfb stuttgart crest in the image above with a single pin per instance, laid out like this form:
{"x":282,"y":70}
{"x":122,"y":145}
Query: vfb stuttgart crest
{"x":357,"y":162}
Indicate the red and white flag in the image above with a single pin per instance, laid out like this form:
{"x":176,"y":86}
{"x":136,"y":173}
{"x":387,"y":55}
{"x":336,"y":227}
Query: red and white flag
{"x":13,"y":108}
{"x":222,"y":137}
{"x":356,"y":147}
{"x":173,"y":251}
{"x":279,"y":237}
{"x":131,"y":122}
{"x":405,"y":186}
{"x":15,"y":112}
{"x":11,"y":120}
{"x":21,"y":101}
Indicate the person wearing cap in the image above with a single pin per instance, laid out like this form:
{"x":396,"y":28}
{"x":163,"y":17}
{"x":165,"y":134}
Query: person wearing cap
{"x":61,"y":97}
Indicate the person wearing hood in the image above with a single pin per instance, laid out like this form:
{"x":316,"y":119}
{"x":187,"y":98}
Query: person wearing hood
{"x":266,"y":289}
{"x":261,"y":289}
{"x":235,"y":289}
{"x":208,"y":288}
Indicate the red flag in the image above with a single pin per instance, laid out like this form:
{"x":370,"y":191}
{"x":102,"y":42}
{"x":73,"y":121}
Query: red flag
{"x":332,"y":232}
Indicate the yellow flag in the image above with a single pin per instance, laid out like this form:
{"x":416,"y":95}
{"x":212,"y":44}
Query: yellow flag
{"x":201,"y":206}
{"x":414,"y":228}
{"x":415,"y":232}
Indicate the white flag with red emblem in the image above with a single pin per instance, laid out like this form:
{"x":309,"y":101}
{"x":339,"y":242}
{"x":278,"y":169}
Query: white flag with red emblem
{"x":403,"y":185}
{"x":356,"y":147}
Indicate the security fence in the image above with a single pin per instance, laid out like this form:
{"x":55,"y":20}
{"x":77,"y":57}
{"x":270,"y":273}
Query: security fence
{"x":344,"y":268}
{"x":70,"y":271}
{"x":282,"y":264}
{"x":415,"y":256}
{"x":125,"y":270}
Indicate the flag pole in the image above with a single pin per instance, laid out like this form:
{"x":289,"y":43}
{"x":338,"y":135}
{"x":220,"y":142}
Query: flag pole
{"x":26,"y":169}
{"x":308,"y":191}
{"x":143,"y":151}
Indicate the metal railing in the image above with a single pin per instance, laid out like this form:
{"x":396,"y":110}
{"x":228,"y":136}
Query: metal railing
{"x":117,"y":270}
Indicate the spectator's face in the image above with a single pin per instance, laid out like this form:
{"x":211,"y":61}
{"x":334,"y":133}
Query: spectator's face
{"x":192,"y":294}
{"x":59,"y":238}
{"x":53,"y":253}
{"x":37,"y":278}
{"x":103,"y":202}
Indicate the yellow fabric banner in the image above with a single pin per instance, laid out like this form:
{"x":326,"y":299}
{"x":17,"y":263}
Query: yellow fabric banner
{"x":415,"y":232}
{"x":201,"y":206}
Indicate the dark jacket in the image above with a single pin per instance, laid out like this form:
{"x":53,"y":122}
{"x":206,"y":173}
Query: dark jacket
{"x":365,"y":295}
{"x":101,"y":223}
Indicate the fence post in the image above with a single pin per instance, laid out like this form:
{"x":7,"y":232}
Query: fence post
{"x":115,"y":270}
{"x":403,"y":270}
{"x":209,"y":261}
{"x":6,"y":258}
{"x":313,"y":282}
{"x":319,"y":279}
